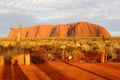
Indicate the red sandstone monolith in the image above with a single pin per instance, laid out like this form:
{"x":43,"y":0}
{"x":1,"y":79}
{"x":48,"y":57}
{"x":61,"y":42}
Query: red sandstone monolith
{"x":80,"y":29}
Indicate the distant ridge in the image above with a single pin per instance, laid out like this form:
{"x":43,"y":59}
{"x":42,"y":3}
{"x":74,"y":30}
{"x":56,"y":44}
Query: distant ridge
{"x":80,"y":29}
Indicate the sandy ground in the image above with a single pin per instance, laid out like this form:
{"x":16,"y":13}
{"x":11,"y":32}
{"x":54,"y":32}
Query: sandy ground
{"x":61,"y":71}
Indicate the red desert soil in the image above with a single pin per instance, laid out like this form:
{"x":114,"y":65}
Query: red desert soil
{"x":61,"y":71}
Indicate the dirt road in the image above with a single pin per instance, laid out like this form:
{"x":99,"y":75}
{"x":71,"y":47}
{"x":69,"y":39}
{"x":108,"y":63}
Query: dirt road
{"x":61,"y":71}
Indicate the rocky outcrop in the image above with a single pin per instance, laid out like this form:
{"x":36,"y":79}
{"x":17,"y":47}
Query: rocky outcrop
{"x":80,"y":29}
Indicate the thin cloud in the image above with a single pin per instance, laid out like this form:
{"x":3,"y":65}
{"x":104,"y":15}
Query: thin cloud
{"x":66,"y":8}
{"x":63,"y":11}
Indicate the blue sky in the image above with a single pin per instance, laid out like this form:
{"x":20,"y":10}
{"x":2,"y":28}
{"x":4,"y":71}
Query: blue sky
{"x":32,"y":12}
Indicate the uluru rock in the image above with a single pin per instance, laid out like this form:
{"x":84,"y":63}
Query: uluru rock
{"x":80,"y":29}
{"x":60,"y":30}
{"x":84,"y":29}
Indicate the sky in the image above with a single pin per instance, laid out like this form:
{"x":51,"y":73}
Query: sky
{"x":32,"y":12}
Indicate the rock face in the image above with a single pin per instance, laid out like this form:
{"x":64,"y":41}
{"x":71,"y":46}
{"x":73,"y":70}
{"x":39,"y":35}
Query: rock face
{"x":80,"y":29}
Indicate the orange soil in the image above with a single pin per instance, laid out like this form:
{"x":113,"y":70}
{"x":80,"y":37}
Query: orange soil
{"x":61,"y":71}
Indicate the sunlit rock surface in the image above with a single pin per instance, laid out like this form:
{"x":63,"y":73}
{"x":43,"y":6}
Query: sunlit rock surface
{"x":80,"y":29}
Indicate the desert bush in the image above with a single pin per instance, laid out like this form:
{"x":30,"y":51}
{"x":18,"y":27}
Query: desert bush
{"x":1,"y":48}
{"x":69,"y":49}
{"x":42,"y":46}
{"x":50,"y":56}
{"x":111,"y":55}
{"x":86,"y":48}
{"x":77,"y":54}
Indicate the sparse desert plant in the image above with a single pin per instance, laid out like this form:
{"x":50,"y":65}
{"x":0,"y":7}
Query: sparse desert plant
{"x":69,"y":49}
{"x":86,"y":47}
{"x":77,"y":54}
{"x":111,"y":55}
{"x":57,"y":46}
{"x":50,"y":56}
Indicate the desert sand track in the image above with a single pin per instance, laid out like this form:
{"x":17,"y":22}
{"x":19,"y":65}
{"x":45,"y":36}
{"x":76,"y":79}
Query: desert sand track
{"x":61,"y":71}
